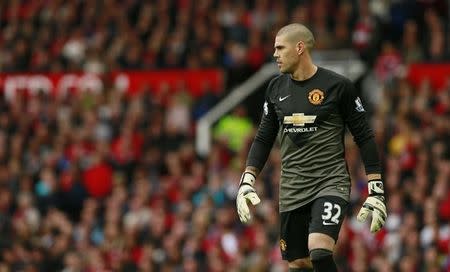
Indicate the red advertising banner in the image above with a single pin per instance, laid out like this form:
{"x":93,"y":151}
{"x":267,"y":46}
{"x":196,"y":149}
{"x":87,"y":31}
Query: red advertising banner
{"x":59,"y":84}
{"x":438,"y":74}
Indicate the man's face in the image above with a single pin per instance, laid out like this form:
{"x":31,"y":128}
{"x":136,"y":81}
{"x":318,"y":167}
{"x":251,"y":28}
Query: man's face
{"x":285,"y":54}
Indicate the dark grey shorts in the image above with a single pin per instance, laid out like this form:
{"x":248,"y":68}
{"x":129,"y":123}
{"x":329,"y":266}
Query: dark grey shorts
{"x":323,"y":215}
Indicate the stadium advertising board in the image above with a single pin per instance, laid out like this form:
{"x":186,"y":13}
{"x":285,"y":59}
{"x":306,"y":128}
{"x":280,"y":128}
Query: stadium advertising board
{"x":60,"y":84}
{"x":438,"y":74}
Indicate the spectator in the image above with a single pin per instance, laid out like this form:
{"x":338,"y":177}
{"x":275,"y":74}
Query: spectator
{"x":234,"y":129}
{"x":411,"y":49}
{"x":387,"y":63}
{"x":435,"y":36}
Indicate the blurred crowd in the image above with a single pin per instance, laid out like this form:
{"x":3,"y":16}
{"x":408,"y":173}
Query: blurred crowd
{"x":98,"y":36}
{"x":106,"y":182}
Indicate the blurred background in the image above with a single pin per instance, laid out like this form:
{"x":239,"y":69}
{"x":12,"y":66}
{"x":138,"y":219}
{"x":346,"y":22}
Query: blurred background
{"x":99,"y":105}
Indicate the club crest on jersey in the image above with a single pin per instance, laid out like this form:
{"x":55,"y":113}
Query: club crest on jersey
{"x":316,"y":97}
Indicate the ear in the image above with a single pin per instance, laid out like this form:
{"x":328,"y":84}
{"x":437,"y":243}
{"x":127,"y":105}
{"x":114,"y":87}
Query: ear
{"x":300,"y":47}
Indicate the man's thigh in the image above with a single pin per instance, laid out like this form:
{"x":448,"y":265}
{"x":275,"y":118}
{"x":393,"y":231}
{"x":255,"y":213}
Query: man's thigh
{"x":327,"y":215}
{"x":294,"y":233}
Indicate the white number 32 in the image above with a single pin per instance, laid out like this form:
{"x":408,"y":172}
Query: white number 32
{"x":328,"y":212}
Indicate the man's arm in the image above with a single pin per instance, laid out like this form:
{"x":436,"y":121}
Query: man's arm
{"x":355,"y":117}
{"x":257,"y":157}
{"x":264,"y":138}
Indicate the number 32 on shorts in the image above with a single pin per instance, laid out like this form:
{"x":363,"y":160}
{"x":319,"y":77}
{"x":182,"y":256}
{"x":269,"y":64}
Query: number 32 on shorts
{"x":331,"y":213}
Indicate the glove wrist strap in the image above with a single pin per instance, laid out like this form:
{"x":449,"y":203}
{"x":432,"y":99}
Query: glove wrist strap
{"x":247,"y":178}
{"x":376,"y":187}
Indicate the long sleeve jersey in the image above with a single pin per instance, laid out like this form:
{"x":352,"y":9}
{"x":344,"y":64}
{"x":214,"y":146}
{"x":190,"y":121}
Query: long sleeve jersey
{"x":310,"y":118}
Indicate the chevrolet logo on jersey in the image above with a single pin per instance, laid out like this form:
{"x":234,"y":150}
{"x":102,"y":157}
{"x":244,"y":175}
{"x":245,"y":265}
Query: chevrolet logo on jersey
{"x":299,"y":119}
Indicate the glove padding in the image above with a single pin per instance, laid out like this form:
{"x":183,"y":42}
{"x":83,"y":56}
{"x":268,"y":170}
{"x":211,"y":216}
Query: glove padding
{"x":246,"y":193}
{"x":374,"y":205}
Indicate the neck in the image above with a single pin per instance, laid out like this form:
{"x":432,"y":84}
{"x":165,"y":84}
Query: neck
{"x":305,"y":70}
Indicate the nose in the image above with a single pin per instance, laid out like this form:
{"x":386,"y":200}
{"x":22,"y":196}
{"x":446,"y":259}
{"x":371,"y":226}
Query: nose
{"x":275,"y":55}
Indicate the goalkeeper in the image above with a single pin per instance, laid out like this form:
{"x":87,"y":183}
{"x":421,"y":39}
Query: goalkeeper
{"x":308,"y":107}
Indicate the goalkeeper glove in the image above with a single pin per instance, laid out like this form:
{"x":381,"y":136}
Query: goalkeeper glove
{"x":374,"y":204}
{"x":246,"y":193}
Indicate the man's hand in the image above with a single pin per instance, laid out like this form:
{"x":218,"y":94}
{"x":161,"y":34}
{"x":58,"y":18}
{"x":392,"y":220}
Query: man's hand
{"x":374,"y":204}
{"x":246,"y":193}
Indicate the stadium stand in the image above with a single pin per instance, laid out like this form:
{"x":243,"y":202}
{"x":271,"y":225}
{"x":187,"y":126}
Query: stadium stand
{"x":99,"y":180}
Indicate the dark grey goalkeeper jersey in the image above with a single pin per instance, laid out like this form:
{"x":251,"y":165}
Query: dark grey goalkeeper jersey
{"x":309,"y":118}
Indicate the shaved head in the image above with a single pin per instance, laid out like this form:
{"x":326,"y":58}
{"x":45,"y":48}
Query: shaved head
{"x":296,"y":33}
